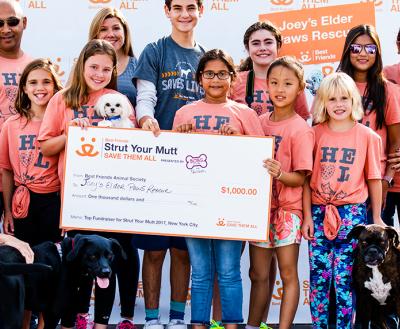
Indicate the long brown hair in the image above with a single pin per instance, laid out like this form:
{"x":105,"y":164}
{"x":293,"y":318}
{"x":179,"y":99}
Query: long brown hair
{"x":77,"y":93}
{"x":22,"y":102}
{"x":247,"y":64}
{"x":374,"y":97}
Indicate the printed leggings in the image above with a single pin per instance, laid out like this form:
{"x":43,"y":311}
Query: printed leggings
{"x":332,"y":261}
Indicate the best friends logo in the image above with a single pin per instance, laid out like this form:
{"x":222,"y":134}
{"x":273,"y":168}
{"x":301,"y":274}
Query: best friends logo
{"x":87,"y":149}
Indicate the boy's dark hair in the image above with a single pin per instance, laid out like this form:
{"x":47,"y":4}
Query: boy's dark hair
{"x":168,"y":3}
{"x":215,"y":54}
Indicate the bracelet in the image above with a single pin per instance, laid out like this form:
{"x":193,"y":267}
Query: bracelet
{"x":280,"y":175}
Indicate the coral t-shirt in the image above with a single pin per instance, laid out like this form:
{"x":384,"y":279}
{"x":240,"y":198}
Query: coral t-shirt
{"x":209,"y":118}
{"x":58,"y":116}
{"x":392,"y":116}
{"x":343,"y":162}
{"x":10,"y":72}
{"x":261,"y":101}
{"x":392,"y":73}
{"x":294,"y":141}
{"x":20,"y":153}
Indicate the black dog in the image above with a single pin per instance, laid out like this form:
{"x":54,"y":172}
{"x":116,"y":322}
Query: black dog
{"x":55,"y":293}
{"x":376,"y":276}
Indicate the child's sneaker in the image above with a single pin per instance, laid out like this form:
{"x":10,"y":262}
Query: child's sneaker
{"x":83,"y":321}
{"x":264,"y":326}
{"x":125,"y":324}
{"x":153,"y":324}
{"x":176,"y":324}
{"x":216,"y":325}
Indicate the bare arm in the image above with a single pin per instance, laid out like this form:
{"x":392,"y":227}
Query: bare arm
{"x":8,"y":189}
{"x":53,"y":146}
{"x":291,"y":179}
{"x":375,"y":195}
{"x":307,"y":228}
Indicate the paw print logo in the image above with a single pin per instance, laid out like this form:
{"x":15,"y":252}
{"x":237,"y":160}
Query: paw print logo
{"x":282,"y":2}
{"x":327,"y":171}
{"x":377,"y":3}
{"x":221,"y":222}
{"x":87,"y":149}
{"x":326,"y":70}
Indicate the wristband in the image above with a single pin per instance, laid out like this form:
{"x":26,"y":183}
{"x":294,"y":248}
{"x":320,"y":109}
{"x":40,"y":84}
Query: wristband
{"x":280,"y":175}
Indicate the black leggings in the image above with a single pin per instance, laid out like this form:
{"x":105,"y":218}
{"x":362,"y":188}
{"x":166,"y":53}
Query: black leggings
{"x":127,"y":272}
{"x":43,"y":220}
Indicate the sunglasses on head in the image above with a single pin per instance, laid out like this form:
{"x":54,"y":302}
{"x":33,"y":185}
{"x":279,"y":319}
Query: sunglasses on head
{"x":370,"y":49}
{"x":11,"y":21}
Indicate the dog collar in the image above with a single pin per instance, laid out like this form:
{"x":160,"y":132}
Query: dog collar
{"x":113,"y":118}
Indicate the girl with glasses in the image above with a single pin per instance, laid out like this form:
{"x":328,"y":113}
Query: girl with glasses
{"x":216,"y":114}
{"x":362,"y":60}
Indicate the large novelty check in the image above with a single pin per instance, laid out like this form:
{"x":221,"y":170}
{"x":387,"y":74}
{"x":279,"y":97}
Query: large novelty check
{"x":195,"y":185}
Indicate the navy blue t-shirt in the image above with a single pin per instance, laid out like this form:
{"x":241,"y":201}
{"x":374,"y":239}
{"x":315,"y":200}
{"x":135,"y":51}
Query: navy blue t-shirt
{"x":172,"y":69}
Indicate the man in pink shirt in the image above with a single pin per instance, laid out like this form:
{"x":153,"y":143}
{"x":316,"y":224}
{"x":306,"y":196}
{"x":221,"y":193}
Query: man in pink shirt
{"x":12,"y":60}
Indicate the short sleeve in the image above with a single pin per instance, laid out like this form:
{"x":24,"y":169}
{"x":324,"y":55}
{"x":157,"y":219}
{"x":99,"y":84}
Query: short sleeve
{"x":4,"y":148}
{"x":392,"y":110}
{"x":251,"y":124}
{"x":53,"y":124}
{"x":148,"y":65}
{"x":373,"y":161}
{"x":302,"y":150}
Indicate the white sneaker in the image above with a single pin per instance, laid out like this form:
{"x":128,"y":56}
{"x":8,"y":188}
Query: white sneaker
{"x":176,"y":324}
{"x":153,"y":324}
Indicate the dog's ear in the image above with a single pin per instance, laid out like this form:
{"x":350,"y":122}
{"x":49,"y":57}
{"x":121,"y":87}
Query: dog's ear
{"x":126,"y":106}
{"x":393,"y":235}
{"x":99,"y":107}
{"x":117,"y":249}
{"x":355,"y":232}
{"x":78,"y":242}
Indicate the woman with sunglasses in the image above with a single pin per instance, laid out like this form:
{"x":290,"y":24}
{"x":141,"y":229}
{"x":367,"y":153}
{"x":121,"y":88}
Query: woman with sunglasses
{"x":362,"y":60}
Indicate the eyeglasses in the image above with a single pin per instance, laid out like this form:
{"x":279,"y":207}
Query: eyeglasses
{"x":370,"y":49}
{"x":222,"y":75}
{"x":11,"y":21}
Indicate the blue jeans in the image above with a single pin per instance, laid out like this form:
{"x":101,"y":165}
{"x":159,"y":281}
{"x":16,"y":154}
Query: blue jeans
{"x":208,"y":257}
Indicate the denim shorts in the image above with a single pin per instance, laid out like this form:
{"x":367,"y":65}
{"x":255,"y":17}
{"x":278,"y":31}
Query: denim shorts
{"x":158,"y":242}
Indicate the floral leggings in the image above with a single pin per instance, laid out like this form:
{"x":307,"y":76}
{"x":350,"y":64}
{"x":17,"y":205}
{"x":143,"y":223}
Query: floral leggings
{"x":333,"y":259}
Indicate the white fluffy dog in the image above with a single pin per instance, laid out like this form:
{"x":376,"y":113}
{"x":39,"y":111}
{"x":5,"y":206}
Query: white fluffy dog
{"x":115,"y":109}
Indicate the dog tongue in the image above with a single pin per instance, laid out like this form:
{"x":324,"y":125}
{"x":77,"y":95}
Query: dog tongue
{"x":102,"y":282}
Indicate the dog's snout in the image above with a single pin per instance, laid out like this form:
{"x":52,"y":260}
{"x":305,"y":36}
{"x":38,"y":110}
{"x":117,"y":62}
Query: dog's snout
{"x":112,"y":110}
{"x":105,"y":272}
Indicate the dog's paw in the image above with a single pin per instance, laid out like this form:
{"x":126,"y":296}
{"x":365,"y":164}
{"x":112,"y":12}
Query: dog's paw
{"x":104,"y":123}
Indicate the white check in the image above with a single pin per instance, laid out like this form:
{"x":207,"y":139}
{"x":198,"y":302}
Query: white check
{"x":195,"y":185}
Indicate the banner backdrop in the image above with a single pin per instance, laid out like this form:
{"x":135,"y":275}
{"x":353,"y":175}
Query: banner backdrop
{"x":58,"y":29}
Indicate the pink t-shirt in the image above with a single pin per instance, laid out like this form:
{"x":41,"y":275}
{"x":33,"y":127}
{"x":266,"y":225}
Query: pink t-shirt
{"x":58,"y":116}
{"x":20,"y":152}
{"x":10,"y":72}
{"x":343,"y":161}
{"x":261,"y":102}
{"x":392,"y":73}
{"x":294,"y":141}
{"x":392,"y":116}
{"x":209,"y":118}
